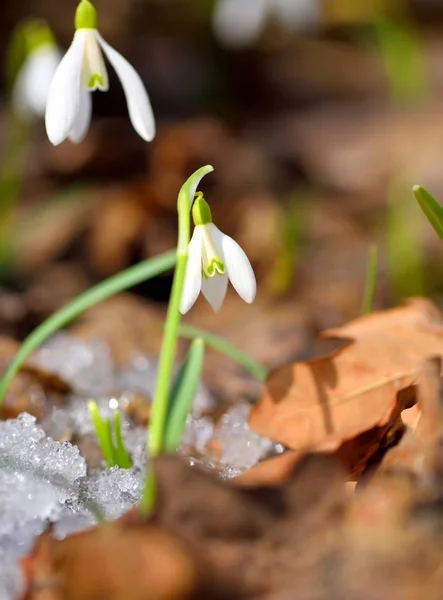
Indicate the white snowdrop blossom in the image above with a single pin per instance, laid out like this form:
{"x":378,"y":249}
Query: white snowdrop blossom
{"x":238,"y":23}
{"x":30,"y":92}
{"x":82,"y":71}
{"x":213,"y":259}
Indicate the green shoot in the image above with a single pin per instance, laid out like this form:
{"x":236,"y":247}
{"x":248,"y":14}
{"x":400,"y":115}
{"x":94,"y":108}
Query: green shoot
{"x":288,"y":247}
{"x":183,"y":394}
{"x":432,"y":209}
{"x":123,"y":460}
{"x":400,"y":50}
{"x":371,"y":280}
{"x":114,"y":285}
{"x":109,"y":437}
{"x":103,"y":432}
{"x":405,"y":261}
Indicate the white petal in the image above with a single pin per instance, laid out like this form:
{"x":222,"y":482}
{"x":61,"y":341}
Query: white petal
{"x":139,"y":106}
{"x":93,"y":64}
{"x":83,"y":120}
{"x":30,"y":92}
{"x":237,"y":265}
{"x":193,"y":276}
{"x":238,"y":22}
{"x":214,"y":290}
{"x":64,"y":93}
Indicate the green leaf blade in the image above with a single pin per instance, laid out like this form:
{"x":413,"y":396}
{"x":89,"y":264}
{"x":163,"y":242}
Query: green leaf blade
{"x":431,"y":208}
{"x":102,"y":429}
{"x":123,"y":460}
{"x":224,"y":347}
{"x":183,"y":394}
{"x":107,"y":288}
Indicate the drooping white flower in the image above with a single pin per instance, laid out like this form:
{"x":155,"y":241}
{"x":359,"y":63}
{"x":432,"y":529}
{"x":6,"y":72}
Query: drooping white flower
{"x":238,"y":23}
{"x":214,"y":259}
{"x":82,"y":71}
{"x":33,"y":47}
{"x":31,"y":88}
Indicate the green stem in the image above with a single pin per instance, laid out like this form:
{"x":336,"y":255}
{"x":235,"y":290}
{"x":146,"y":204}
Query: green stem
{"x":166,"y":361}
{"x":243,"y":359}
{"x":160,"y":400}
{"x":118,"y":283}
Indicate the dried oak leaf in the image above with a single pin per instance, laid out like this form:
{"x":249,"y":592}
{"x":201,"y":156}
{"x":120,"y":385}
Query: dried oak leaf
{"x":349,"y":402}
{"x":420,"y":449}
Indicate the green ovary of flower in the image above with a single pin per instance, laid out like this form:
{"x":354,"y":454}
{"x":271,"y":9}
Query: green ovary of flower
{"x":95,"y":80}
{"x":37,"y":35}
{"x":201,"y":213}
{"x":85,"y":16}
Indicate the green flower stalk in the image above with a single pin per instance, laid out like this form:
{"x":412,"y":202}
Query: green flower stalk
{"x":169,"y":344}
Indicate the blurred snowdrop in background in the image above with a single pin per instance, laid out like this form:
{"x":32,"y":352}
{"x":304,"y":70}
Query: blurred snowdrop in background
{"x":35,"y":56}
{"x":238,"y":23}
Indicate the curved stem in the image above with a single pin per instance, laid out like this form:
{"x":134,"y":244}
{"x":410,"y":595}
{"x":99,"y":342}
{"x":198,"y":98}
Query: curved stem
{"x":115,"y":284}
{"x":160,"y":402}
{"x":166,"y":361}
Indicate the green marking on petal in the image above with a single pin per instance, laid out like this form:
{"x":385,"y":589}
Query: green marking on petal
{"x":96,"y":81}
{"x":215,"y":267}
{"x":85,"y":16}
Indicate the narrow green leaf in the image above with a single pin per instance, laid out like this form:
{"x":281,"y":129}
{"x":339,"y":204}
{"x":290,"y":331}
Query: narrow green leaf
{"x":103,"y":432}
{"x":221,"y":345}
{"x":123,"y":460}
{"x":371,"y":280}
{"x":115,"y":284}
{"x":149,"y":493}
{"x":183,"y":394}
{"x":432,"y":209}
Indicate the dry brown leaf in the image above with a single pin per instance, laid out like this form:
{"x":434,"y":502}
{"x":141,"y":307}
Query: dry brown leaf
{"x":118,"y":226}
{"x":349,"y":401}
{"x":112,"y":562}
{"x":419,"y":451}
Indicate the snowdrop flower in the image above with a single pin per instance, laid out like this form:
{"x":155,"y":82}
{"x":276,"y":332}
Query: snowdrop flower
{"x":238,"y":23}
{"x":42,"y":57}
{"x":82,"y":71}
{"x":213,"y":259}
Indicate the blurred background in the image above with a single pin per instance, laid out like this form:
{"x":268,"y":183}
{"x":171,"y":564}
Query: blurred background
{"x":318,"y":116}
